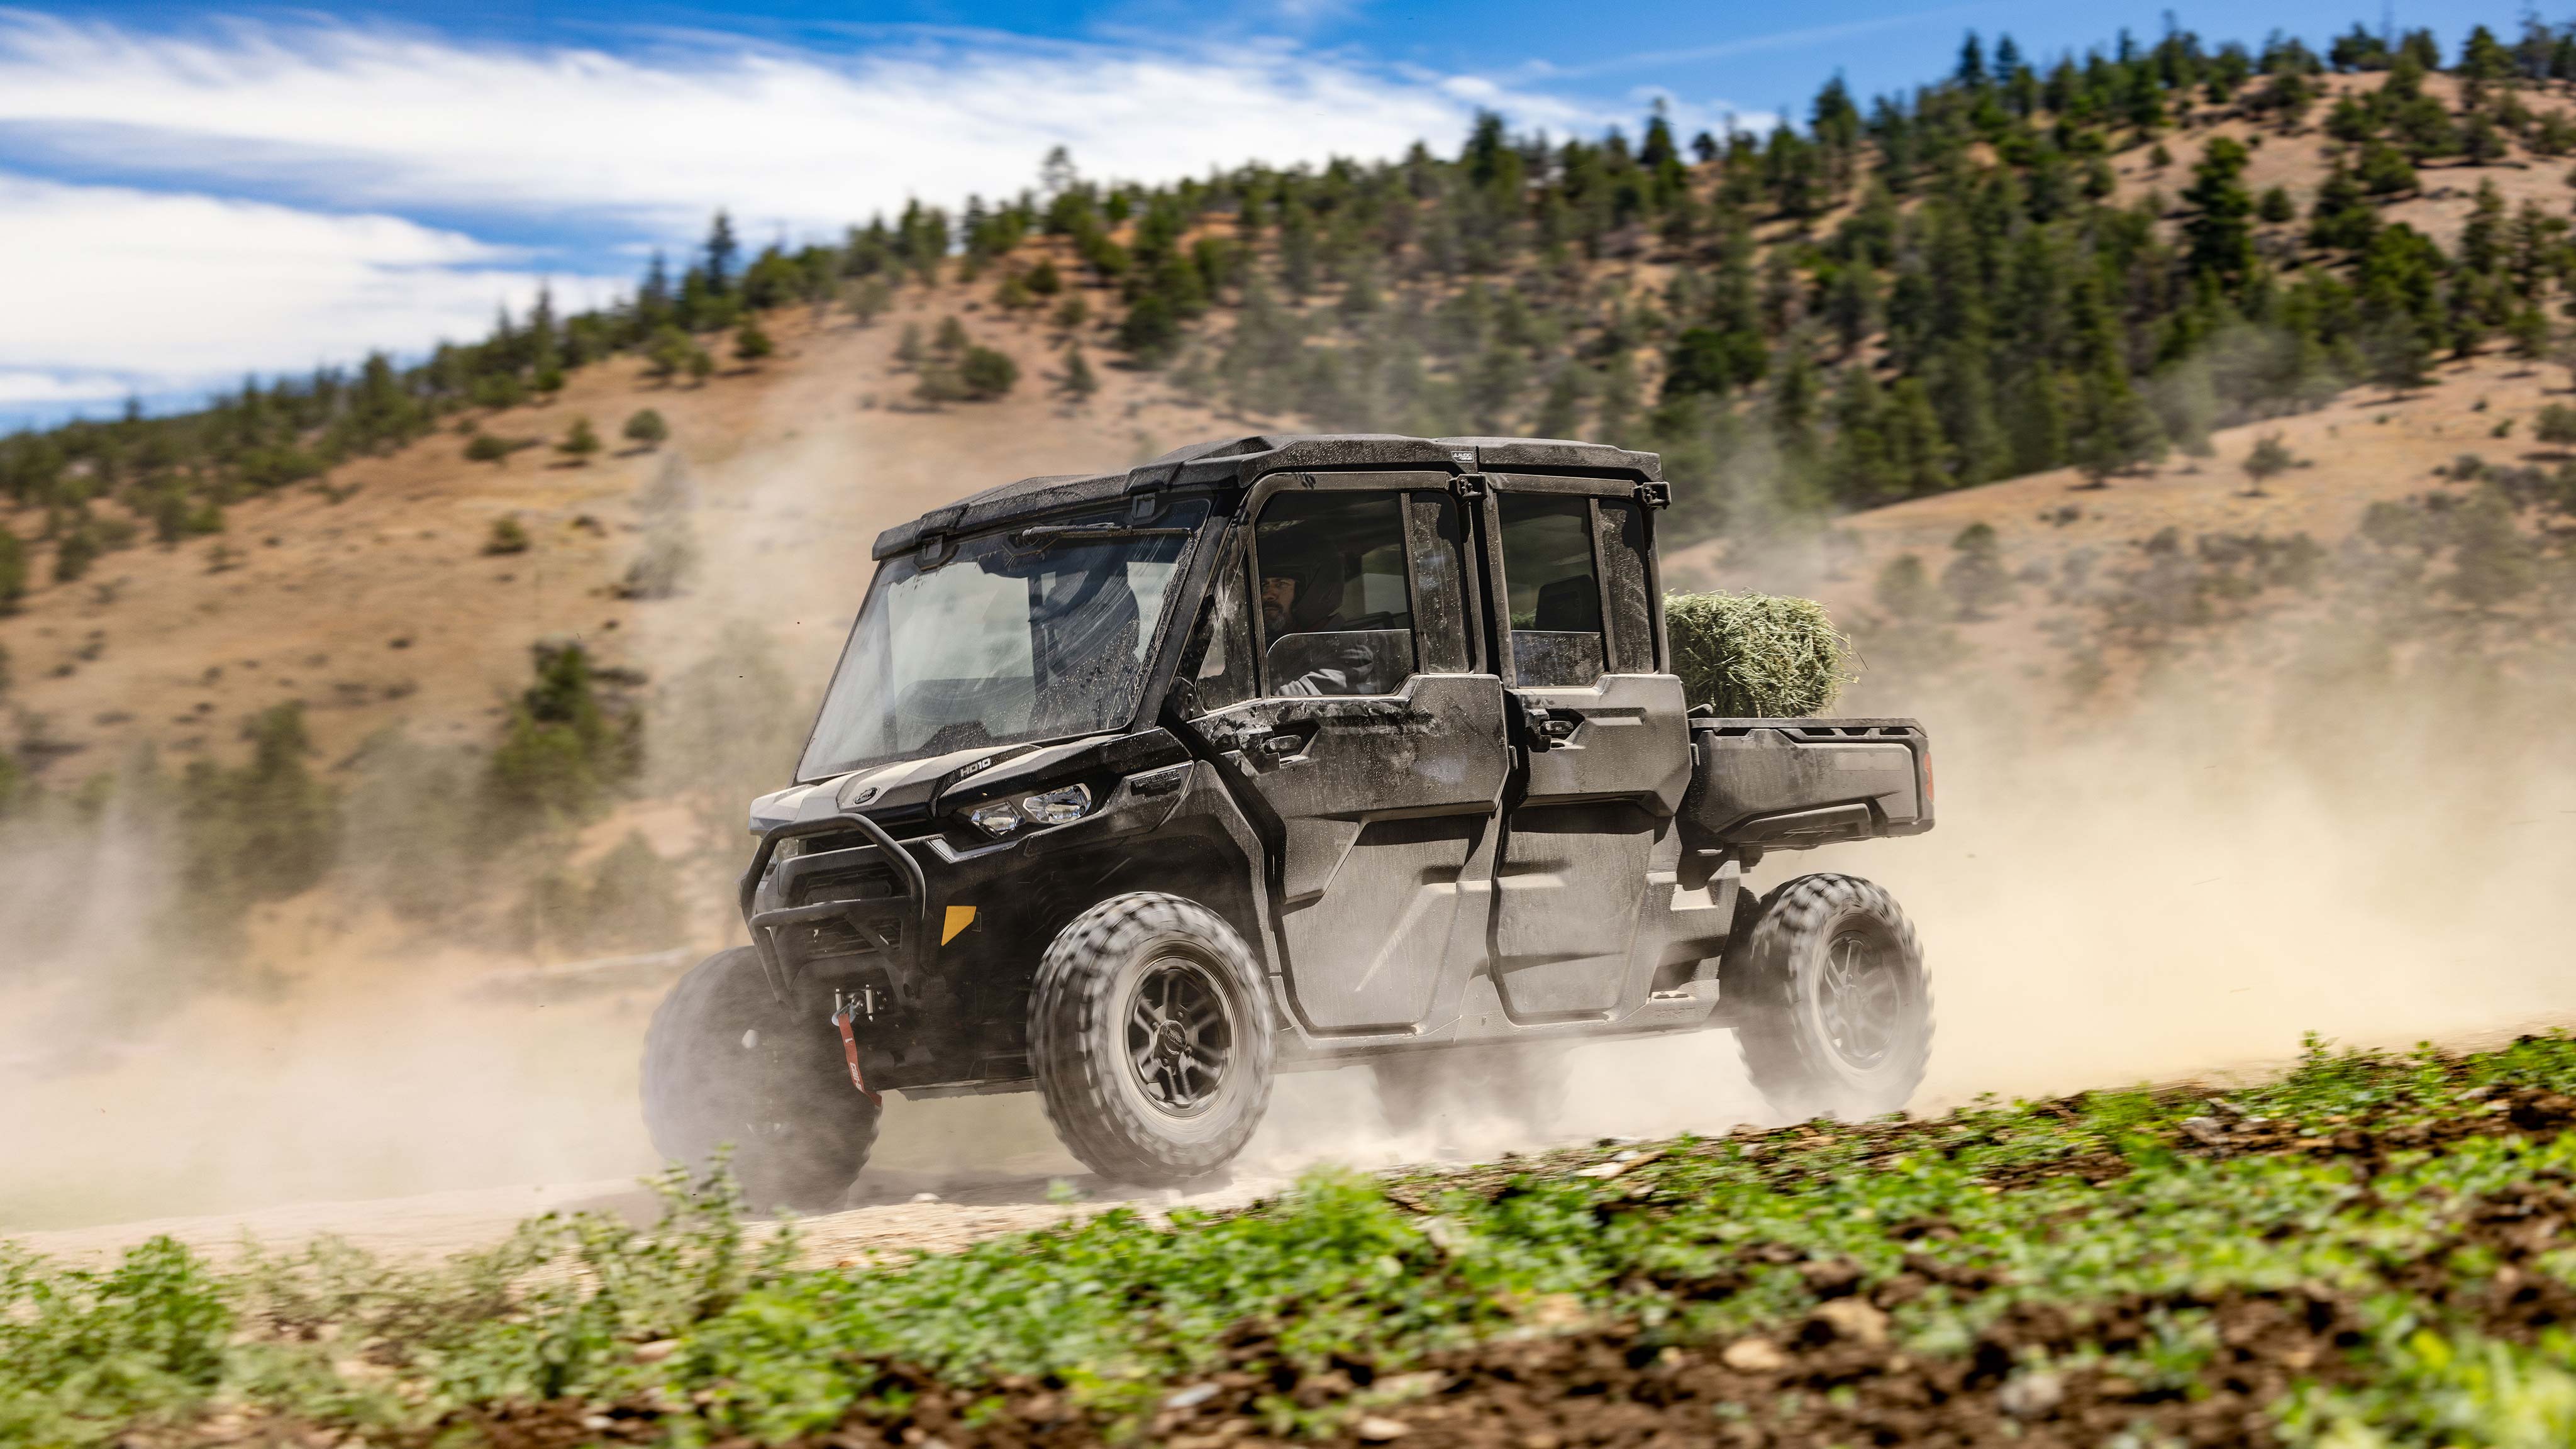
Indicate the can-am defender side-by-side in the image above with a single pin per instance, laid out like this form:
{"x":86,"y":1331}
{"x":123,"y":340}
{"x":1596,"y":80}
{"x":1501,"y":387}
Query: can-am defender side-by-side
{"x":1135,"y":789}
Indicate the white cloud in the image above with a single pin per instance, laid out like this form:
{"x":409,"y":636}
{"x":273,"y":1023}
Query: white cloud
{"x":350,"y":136}
{"x":109,"y":290}
{"x":380,"y":119}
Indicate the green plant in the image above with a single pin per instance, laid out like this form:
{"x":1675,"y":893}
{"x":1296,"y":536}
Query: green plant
{"x":508,"y":536}
{"x":646,"y":429}
{"x":580,"y":441}
{"x":751,"y":344}
{"x":13,"y":570}
{"x":984,"y":373}
{"x":487,"y":448}
{"x":263,"y":830}
{"x":562,"y":750}
{"x":2267,"y":459}
{"x":1079,"y":381}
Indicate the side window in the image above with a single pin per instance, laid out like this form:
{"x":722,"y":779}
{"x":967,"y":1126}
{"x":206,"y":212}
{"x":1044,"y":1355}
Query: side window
{"x":1219,"y":662}
{"x":1555,"y":595}
{"x":1439,"y":574}
{"x":1624,"y":560}
{"x":1336,"y":610}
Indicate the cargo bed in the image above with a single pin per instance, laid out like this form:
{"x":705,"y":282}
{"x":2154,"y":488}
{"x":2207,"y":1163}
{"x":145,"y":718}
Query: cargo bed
{"x":1794,"y":784}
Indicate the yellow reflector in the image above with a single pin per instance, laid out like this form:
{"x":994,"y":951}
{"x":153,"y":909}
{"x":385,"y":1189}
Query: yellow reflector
{"x":959,"y":918}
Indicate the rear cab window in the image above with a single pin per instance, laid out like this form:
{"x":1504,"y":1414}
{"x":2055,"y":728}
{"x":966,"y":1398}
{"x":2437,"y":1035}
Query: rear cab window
{"x":1578,"y":574}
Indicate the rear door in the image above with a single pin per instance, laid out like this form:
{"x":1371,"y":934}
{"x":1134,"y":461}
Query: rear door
{"x":1365,"y":733}
{"x":1606,"y":752}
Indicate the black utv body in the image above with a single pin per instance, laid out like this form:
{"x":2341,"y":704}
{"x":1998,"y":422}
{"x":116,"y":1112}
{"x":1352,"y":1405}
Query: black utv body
{"x":1136,"y":788}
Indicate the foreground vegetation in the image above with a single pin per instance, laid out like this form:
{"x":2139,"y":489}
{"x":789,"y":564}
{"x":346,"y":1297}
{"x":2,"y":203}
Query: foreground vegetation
{"x":2373,"y":1249}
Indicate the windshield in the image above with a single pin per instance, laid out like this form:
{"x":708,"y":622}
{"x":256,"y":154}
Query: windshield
{"x":1018,"y":636}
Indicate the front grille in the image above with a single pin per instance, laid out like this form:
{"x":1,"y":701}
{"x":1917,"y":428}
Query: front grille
{"x":863,"y":882}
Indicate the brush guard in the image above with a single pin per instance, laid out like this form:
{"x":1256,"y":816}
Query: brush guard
{"x":764,"y":924}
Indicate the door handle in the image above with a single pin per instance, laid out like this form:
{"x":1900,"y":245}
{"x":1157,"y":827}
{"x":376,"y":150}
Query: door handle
{"x":1278,"y":746}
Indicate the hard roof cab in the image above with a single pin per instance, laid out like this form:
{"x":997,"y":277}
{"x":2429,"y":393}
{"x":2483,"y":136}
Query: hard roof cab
{"x":1135,"y":789}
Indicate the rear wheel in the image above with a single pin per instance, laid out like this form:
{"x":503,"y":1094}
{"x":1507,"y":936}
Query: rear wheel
{"x":1522,"y":1085}
{"x":726,"y":1063}
{"x":1837,"y":1010}
{"x":1150,"y":1034}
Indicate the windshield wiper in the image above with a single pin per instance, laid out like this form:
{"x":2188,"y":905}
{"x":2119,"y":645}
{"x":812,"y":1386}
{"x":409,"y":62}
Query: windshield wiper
{"x":1047,"y":535}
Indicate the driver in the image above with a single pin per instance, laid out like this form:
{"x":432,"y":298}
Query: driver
{"x":1301,"y":593}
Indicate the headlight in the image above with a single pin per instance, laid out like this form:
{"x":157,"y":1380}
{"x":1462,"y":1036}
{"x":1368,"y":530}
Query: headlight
{"x":1057,"y":807}
{"x":995,"y":819}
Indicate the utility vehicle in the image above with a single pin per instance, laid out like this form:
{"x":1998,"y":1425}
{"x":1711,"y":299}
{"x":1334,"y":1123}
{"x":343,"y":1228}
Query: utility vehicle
{"x":1135,"y":789}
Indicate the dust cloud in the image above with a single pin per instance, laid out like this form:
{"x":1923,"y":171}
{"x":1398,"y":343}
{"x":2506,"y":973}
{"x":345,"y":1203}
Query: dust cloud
{"x":2181,"y":877}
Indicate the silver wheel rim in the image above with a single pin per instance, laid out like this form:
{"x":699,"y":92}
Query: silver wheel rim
{"x":1179,"y":1036}
{"x":1860,"y":999}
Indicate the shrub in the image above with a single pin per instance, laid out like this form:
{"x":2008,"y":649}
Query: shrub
{"x":75,"y":551}
{"x":669,"y":352}
{"x":2267,"y":458}
{"x":1753,"y":656}
{"x":579,"y":443}
{"x":1071,"y":313}
{"x":508,"y":536}
{"x":485,"y":448}
{"x":1079,"y":380}
{"x":951,"y":339}
{"x":646,"y":429}
{"x":987,"y":374}
{"x":2556,"y":425}
{"x":561,"y":751}
{"x":13,"y":570}
{"x":260,"y":831}
{"x":750,"y":343}
{"x":867,"y":300}
{"x":1976,"y":580}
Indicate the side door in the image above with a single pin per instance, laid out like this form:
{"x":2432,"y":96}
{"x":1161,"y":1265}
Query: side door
{"x":1605,"y":753}
{"x":1345,"y":690}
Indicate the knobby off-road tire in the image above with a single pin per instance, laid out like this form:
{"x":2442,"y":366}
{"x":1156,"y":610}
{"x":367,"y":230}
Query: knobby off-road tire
{"x":726,"y":1062}
{"x":1522,"y":1085}
{"x":1150,"y":1032}
{"x":1837,"y":1009}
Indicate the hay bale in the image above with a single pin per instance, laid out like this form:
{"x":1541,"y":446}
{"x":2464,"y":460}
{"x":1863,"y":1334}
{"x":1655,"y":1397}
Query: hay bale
{"x":1757,"y":656}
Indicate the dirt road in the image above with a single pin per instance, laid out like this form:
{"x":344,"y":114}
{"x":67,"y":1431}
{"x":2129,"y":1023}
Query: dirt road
{"x":918,"y":1197}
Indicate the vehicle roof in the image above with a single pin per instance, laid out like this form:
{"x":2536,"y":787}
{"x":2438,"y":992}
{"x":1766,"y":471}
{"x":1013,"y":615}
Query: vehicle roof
{"x":1238,"y":461}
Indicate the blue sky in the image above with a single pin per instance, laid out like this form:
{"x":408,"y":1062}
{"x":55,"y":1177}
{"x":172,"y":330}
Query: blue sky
{"x":189,"y":194}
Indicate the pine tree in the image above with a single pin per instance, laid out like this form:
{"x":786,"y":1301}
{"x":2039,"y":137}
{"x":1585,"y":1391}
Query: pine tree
{"x":721,"y":249}
{"x":2222,"y":241}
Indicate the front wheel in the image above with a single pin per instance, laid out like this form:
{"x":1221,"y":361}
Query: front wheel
{"x":1837,"y":1010}
{"x":727,"y":1064}
{"x":1150,"y":1035}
